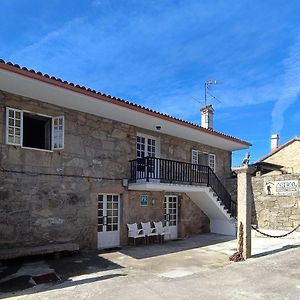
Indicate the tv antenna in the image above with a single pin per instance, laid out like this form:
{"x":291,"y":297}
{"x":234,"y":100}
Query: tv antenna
{"x":207,"y":85}
{"x":207,"y":93}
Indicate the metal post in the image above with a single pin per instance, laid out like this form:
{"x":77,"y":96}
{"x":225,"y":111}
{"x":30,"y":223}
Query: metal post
{"x":147,"y":168}
{"x":207,"y":176}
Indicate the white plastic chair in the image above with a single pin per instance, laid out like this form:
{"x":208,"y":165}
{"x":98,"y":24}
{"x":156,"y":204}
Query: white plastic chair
{"x":135,"y":233}
{"x":149,"y":231}
{"x":161,"y":230}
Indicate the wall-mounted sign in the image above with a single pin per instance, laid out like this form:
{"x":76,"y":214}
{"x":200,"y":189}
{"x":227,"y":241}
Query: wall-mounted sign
{"x":283,"y":187}
{"x":144,"y":200}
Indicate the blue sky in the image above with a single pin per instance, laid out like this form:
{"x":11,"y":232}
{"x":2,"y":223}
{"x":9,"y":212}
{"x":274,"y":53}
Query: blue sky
{"x":159,"y":53}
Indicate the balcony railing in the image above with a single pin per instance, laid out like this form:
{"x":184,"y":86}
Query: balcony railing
{"x":170,"y":171}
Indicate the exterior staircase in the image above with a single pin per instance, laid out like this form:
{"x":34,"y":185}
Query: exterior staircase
{"x":199,"y":182}
{"x":221,"y":220}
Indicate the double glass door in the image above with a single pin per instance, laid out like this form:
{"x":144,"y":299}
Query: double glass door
{"x":146,"y":146}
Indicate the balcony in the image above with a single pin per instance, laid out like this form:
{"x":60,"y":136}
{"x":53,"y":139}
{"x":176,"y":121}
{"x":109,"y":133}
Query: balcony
{"x":179,"y":176}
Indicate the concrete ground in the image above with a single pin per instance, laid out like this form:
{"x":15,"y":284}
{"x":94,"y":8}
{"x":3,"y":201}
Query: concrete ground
{"x":194,"y":268}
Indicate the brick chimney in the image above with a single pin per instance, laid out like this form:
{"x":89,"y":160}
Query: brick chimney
{"x":274,"y":141}
{"x":207,"y":117}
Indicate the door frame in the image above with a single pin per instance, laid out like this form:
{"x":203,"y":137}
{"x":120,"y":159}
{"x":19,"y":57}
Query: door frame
{"x":106,"y":233}
{"x":157,"y":151}
{"x":174,"y":232}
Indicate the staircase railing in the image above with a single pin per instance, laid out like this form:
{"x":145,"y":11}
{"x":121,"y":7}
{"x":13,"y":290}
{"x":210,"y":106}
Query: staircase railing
{"x":172,"y":171}
{"x":217,"y":186}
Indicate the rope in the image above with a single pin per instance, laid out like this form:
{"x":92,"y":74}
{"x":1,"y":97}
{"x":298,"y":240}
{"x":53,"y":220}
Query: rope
{"x":275,"y":236}
{"x":238,"y":256}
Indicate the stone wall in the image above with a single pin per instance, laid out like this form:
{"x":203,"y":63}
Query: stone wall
{"x":191,"y":219}
{"x":182,"y":151}
{"x":231,"y":185}
{"x":51,"y":196}
{"x":271,"y":211}
{"x":275,"y":211}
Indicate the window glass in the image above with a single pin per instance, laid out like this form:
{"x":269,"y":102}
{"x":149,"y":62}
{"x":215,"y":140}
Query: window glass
{"x":58,"y":132}
{"x":13,"y":126}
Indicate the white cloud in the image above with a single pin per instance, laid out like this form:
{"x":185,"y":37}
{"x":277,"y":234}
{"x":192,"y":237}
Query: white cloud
{"x":158,"y":57}
{"x":289,"y":87}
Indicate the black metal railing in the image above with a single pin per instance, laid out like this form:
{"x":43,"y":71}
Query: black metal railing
{"x":171,"y":171}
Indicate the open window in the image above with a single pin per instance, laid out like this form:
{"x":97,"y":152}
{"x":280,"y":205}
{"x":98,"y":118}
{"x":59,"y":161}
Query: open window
{"x":204,"y":159}
{"x":34,"y":130}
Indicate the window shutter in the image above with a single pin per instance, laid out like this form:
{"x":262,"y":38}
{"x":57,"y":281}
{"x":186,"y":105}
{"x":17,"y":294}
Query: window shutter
{"x":212,"y":161}
{"x":14,"y":124}
{"x":195,"y":157}
{"x":58,"y":133}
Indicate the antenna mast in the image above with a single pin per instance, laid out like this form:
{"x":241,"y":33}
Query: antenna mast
{"x":206,"y":87}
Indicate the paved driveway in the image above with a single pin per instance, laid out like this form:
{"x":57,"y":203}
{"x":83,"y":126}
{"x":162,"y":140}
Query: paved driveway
{"x":194,"y":268}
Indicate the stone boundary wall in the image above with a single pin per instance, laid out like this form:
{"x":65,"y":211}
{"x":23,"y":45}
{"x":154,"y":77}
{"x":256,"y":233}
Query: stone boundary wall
{"x":269,"y":211}
{"x":275,"y":210}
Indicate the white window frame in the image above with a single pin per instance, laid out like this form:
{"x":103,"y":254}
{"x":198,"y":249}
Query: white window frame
{"x":195,"y":159}
{"x":8,"y":109}
{"x":212,"y":165}
{"x":157,"y":143}
{"x":63,"y":130}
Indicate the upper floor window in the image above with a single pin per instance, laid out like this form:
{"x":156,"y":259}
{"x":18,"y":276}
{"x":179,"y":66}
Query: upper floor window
{"x":34,"y":130}
{"x":204,"y":159}
{"x":146,"y":146}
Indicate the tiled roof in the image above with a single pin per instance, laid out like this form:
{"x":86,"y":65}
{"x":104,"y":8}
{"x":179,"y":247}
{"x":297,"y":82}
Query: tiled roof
{"x":296,"y":138}
{"x":93,"y":93}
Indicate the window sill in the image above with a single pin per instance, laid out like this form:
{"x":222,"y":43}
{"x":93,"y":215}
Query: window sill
{"x":37,"y":149}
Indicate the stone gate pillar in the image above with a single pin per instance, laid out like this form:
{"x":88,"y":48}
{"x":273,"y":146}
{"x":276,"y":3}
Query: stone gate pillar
{"x":244,"y":203}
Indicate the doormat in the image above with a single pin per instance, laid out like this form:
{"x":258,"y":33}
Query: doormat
{"x":45,"y":278}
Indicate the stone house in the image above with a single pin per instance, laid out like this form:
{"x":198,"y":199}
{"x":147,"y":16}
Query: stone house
{"x":78,"y":165}
{"x":284,"y":158}
{"x":276,"y":197}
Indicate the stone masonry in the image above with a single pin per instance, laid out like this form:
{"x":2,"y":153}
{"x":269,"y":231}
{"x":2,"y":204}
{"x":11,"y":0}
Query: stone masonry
{"x":271,"y":211}
{"x":51,"y":196}
{"x":275,"y":211}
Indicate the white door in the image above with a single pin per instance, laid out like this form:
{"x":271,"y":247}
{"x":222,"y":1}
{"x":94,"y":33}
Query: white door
{"x":146,"y":146}
{"x":171,"y":215}
{"x":108,"y":221}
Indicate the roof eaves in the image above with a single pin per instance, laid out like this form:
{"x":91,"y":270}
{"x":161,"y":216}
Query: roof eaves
{"x":9,"y":66}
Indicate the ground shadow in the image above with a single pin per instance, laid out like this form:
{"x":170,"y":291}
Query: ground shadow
{"x":284,"y":248}
{"x":69,"y":265}
{"x":141,"y":251}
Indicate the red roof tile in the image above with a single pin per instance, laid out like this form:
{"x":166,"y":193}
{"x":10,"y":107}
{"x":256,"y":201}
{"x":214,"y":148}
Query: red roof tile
{"x":9,"y":66}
